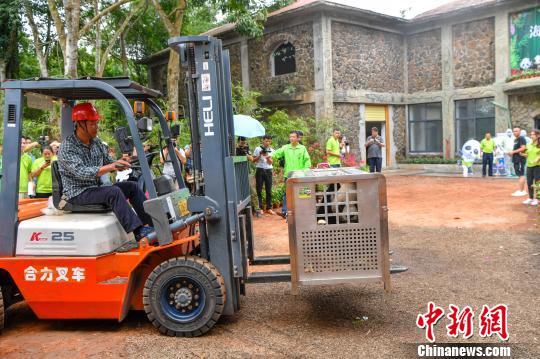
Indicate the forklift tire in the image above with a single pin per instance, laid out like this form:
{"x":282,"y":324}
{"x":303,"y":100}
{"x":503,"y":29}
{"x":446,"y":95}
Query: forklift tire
{"x":184,"y":296}
{"x":2,"y":310}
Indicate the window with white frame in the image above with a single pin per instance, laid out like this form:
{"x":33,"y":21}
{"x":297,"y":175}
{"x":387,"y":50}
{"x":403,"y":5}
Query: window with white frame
{"x":425,"y":128}
{"x":283,"y":59}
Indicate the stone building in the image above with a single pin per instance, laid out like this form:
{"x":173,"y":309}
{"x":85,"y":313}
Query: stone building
{"x":428,"y":84}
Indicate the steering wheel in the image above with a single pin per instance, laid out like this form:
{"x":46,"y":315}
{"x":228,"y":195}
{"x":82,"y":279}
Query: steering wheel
{"x":149,"y":155}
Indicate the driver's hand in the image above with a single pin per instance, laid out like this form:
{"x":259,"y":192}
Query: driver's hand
{"x":125,"y":157}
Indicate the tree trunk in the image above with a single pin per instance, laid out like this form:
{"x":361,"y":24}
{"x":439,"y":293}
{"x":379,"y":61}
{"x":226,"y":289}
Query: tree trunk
{"x":174,"y":27}
{"x":72,"y":10}
{"x":41,"y":55}
{"x":59,"y":24}
{"x":123,"y":54}
{"x":3,"y":67}
{"x":173,"y":78}
{"x":98,"y":37}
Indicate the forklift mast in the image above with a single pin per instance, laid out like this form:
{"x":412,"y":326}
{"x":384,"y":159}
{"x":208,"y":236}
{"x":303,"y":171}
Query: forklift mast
{"x":221,"y":184}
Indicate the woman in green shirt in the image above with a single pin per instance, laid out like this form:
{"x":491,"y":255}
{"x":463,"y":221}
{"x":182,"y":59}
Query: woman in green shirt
{"x":533,"y":166}
{"x":41,"y":169}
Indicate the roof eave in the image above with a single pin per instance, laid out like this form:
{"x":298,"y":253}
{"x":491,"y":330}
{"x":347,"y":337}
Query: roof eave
{"x":312,"y":7}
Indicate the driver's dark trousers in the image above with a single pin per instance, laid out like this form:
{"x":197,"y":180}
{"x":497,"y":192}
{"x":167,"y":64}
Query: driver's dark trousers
{"x":115,"y":196}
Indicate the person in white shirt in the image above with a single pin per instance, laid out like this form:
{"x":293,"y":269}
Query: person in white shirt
{"x":164,"y":158}
{"x":262,"y":156}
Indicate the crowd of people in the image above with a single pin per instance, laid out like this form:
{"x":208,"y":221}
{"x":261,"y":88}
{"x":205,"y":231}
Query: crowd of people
{"x":521,"y":161}
{"x":85,"y":163}
{"x":294,"y":156}
{"x":35,"y":177}
{"x":526,"y":160}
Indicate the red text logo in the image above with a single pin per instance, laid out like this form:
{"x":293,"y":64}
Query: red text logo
{"x":492,"y":320}
{"x":35,"y":237}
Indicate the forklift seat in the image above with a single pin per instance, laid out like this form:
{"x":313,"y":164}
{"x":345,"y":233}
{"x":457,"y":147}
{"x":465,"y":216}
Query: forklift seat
{"x":64,"y":205}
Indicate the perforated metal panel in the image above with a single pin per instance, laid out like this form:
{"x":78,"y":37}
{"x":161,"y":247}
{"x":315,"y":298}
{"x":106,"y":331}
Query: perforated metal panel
{"x":340,"y":250}
{"x":338,"y":227}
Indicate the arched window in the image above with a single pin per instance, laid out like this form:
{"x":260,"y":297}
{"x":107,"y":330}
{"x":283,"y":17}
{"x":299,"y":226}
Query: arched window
{"x":283,"y":60}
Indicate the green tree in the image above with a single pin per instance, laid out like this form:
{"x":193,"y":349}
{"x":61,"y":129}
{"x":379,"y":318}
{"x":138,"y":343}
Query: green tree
{"x":10,"y":25}
{"x":248,"y":15}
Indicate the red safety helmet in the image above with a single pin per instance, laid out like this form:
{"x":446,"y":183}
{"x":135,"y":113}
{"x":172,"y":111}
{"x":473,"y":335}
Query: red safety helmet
{"x":84,"y":112}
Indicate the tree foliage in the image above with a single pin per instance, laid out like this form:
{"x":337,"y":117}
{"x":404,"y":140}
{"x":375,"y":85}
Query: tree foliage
{"x":10,"y":26}
{"x":83,"y":22}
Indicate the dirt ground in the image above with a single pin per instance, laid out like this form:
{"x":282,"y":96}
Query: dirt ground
{"x":466,"y":242}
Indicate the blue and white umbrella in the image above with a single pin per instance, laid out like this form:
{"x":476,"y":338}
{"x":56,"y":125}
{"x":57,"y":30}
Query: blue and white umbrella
{"x":247,"y":126}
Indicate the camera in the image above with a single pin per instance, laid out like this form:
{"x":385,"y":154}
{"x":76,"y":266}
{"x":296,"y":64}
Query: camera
{"x":265,"y":151}
{"x":43,"y":140}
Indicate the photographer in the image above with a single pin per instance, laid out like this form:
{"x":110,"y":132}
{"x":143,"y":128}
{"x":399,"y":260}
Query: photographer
{"x":263,"y":173}
{"x":374,"y":145}
{"x":41,"y":170}
{"x":242,"y":148}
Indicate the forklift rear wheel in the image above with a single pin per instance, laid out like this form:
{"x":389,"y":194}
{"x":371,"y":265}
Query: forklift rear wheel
{"x":184,"y":296}
{"x":2,"y":310}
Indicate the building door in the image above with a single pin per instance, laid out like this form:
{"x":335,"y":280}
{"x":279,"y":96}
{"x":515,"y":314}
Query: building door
{"x":377,"y":116}
{"x":537,"y":122}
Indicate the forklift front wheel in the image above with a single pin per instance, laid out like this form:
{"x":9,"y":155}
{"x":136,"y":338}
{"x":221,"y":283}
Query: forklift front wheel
{"x":184,"y":296}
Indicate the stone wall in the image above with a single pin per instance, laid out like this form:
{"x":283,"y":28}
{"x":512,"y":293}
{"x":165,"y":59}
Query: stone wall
{"x":301,"y":110}
{"x":474,"y":53}
{"x":347,"y":117}
{"x":261,"y":50}
{"x":524,"y":108}
{"x":424,"y":61}
{"x":399,"y":131}
{"x":157,"y":77}
{"x":366,"y":59}
{"x":236,"y":63}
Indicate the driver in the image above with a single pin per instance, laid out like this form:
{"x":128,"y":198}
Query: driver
{"x":83,"y":159}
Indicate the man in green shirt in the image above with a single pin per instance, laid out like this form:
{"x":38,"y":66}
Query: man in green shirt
{"x":487,"y":146}
{"x":24,"y":171}
{"x":333,"y":150}
{"x":296,"y":158}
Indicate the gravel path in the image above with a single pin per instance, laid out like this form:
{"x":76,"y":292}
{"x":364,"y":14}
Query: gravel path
{"x":465,"y":249}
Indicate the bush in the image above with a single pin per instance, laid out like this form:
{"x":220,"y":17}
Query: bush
{"x":278,"y":191}
{"x":427,"y":160}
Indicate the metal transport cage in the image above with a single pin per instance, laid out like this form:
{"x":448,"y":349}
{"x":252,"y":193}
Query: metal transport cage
{"x":338,"y":227}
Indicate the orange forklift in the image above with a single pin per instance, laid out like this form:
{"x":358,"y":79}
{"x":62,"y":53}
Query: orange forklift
{"x":68,"y":266}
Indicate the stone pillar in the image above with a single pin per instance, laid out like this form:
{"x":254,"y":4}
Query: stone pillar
{"x":390,"y":137}
{"x":322,"y":51}
{"x":447,"y":89}
{"x":502,"y":70}
{"x":405,"y":65}
{"x":362,"y":135}
{"x":244,"y":60}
